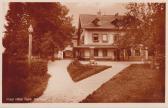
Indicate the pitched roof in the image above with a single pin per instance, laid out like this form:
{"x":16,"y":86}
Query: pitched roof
{"x":86,"y":21}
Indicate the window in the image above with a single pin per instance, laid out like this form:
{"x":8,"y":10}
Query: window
{"x":137,"y":53}
{"x":104,"y":38}
{"x":95,"y":37}
{"x":151,"y":52}
{"x":116,"y":37}
{"x":104,"y":52}
{"x":96,"y":22}
{"x":95,"y":52}
{"x":129,"y":52}
{"x":82,"y":40}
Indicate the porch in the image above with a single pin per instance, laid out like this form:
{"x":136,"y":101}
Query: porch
{"x":109,"y":53}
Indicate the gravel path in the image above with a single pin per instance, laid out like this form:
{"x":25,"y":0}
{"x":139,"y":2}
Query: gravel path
{"x":61,"y":88}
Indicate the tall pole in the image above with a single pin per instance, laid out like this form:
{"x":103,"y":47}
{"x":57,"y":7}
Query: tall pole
{"x":30,"y":29}
{"x":146,"y":53}
{"x":30,"y":48}
{"x":124,"y":54}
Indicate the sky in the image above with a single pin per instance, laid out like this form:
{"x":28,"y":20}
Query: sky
{"x":76,"y":8}
{"x":107,"y":8}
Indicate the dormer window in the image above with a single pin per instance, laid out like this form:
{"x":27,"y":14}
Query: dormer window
{"x":118,"y":23}
{"x":96,"y":22}
{"x":115,"y":22}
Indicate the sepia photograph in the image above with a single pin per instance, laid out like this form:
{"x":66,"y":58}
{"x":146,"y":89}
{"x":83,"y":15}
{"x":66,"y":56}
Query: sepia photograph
{"x":83,"y":52}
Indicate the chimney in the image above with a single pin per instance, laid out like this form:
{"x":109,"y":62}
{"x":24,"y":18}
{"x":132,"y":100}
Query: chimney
{"x":97,"y":20}
{"x":99,"y":13}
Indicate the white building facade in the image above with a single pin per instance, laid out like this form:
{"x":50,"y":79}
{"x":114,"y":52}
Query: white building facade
{"x":97,"y":38}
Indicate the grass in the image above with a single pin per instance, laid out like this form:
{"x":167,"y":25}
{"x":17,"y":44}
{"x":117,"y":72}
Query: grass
{"x":137,"y":83}
{"x":80,"y":71}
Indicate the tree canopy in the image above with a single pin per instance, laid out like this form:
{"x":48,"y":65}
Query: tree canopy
{"x":145,"y":24}
{"x":51,"y":23}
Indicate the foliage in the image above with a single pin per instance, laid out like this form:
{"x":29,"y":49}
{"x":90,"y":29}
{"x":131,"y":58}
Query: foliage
{"x":52,"y":28}
{"x":21,"y":81}
{"x":16,"y":36}
{"x":146,"y":25}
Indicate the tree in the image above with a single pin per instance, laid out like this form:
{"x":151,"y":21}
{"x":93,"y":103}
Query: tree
{"x":16,"y":36}
{"x":145,"y":24}
{"x":133,"y":34}
{"x":52,"y":28}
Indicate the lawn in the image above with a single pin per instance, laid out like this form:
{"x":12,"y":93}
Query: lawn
{"x":80,"y":71}
{"x":137,"y":83}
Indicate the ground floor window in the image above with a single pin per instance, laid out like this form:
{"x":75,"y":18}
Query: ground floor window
{"x":67,"y":54}
{"x":151,"y":52}
{"x":129,"y":52}
{"x":96,"y":52}
{"x":137,"y":52}
{"x":104,"y":52}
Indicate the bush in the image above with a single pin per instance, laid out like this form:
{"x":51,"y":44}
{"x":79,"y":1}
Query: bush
{"x":23,"y":81}
{"x":39,"y":67}
{"x":21,"y":68}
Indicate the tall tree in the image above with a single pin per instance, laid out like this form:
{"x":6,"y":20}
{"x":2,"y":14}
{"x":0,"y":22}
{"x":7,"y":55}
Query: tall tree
{"x":145,"y":24}
{"x":52,"y":28}
{"x":16,"y":36}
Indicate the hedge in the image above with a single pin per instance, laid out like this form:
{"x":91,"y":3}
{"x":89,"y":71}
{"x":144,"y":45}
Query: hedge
{"x":21,"y":82}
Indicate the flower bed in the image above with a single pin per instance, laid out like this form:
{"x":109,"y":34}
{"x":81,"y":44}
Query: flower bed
{"x":80,"y":71}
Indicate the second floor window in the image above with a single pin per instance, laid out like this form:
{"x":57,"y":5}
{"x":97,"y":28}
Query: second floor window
{"x":116,"y":36}
{"x":82,"y":40}
{"x":95,"y":37}
{"x":104,"y":38}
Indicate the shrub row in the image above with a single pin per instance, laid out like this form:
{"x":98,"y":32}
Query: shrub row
{"x":21,"y":80}
{"x":21,"y":68}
